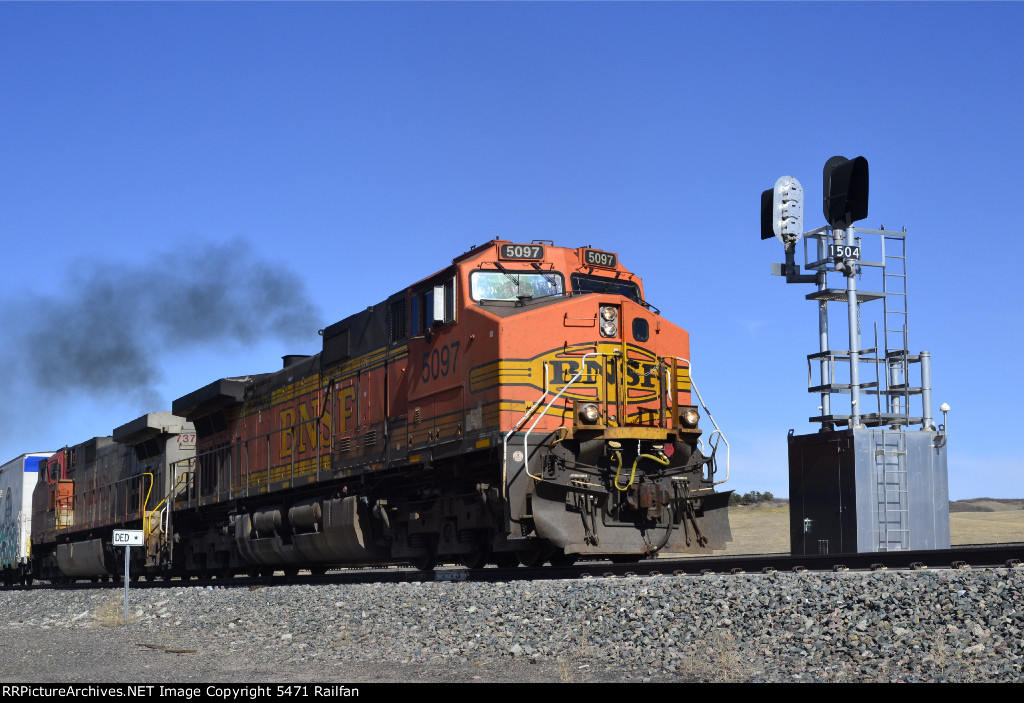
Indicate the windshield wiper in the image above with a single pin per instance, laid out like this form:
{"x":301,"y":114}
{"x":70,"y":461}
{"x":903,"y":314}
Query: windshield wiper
{"x":510,"y":276}
{"x":549,"y":279}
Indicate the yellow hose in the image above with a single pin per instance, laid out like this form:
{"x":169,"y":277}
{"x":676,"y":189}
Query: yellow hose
{"x":618,"y":458}
{"x":659,"y":457}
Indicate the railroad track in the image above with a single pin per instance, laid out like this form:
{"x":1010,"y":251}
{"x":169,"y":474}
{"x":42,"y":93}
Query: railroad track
{"x":966,"y":557}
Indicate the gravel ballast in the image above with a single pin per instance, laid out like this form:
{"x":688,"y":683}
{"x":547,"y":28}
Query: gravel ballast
{"x":882,"y":626}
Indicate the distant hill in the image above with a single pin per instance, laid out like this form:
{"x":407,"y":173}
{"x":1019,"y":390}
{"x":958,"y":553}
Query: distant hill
{"x":972,"y":505}
{"x":985,"y":505}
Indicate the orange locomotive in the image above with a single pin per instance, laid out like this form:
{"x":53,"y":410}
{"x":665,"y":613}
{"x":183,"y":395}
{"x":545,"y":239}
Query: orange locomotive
{"x":523,"y":405}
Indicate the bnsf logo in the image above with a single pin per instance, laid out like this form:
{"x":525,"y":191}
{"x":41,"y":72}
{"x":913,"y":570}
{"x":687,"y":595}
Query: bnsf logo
{"x":641,"y":374}
{"x":638,"y":373}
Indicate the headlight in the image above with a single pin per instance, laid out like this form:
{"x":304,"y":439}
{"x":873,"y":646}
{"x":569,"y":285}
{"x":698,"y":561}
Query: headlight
{"x":590,"y":413}
{"x":609,"y":321}
{"x":689,"y":418}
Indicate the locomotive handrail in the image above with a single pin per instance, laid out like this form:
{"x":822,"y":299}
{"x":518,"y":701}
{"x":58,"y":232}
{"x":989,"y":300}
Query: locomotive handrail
{"x":145,"y":517}
{"x":181,"y":479}
{"x":526,"y":437}
{"x":244,"y":471}
{"x":82,"y":507}
{"x":718,"y":430}
{"x":522,"y":420}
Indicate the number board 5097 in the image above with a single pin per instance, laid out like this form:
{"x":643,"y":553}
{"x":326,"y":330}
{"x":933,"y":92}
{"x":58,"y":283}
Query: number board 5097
{"x":596,"y":257}
{"x":522,"y":252}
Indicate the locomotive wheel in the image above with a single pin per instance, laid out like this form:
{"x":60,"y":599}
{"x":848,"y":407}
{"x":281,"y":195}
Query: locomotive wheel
{"x":291,"y":571}
{"x":625,"y":558}
{"x":506,"y":560}
{"x":427,"y":562}
{"x":535,"y":555}
{"x":317,"y":570}
{"x":560,"y":558}
{"x":476,"y":559}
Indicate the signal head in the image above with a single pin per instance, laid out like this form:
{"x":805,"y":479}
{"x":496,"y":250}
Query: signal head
{"x":845,"y":191}
{"x":782,"y":211}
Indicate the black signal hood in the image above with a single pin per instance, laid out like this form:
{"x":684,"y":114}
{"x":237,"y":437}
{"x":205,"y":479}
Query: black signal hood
{"x":845,"y":191}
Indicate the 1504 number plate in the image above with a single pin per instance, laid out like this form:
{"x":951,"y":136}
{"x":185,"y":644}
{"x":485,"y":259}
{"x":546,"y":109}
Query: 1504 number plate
{"x":839,"y":252}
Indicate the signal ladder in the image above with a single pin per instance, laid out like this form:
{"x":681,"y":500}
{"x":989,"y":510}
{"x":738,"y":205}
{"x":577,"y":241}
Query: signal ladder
{"x":891,"y":491}
{"x":895,"y":324}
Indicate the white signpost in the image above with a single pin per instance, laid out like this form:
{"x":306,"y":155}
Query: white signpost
{"x":127,"y":539}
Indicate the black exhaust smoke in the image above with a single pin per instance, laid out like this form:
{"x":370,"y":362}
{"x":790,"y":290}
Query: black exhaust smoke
{"x":106,"y":330}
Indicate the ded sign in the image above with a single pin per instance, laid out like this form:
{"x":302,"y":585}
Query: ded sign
{"x":127,"y":538}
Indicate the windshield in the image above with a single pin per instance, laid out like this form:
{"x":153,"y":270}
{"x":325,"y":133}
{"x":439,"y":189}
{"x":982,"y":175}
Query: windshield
{"x":514,"y":285}
{"x":582,"y":283}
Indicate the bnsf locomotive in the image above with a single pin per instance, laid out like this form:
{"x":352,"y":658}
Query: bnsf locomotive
{"x":524,"y":405}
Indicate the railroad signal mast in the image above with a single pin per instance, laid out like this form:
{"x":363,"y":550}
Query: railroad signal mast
{"x":873,"y":486}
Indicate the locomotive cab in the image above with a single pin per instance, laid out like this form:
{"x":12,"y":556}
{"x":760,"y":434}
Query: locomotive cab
{"x":603,"y":457}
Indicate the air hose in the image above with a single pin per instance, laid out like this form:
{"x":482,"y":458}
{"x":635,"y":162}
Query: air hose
{"x":659,"y":458}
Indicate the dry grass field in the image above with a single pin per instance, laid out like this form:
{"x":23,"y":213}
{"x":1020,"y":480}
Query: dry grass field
{"x":986,"y":521}
{"x":758,"y":530}
{"x":765,"y":530}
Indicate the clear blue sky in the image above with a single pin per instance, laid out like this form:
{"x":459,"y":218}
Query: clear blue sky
{"x":163,"y":164}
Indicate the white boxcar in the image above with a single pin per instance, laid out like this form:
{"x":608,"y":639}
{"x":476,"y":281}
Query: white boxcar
{"x":17,"y":480}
